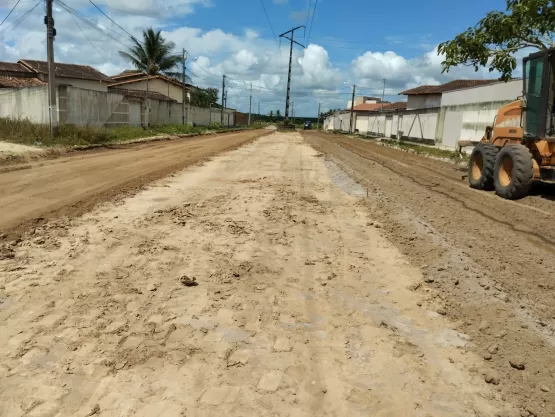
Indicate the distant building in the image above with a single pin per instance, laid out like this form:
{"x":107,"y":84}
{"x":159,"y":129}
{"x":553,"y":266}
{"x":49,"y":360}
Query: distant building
{"x":363,"y":100}
{"x":429,"y":96}
{"x":30,"y":73}
{"x":136,"y":80}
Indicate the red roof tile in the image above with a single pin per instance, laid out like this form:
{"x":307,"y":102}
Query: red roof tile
{"x":19,"y":82}
{"x":83,"y":72}
{"x":133,"y":78}
{"x":450,"y":86}
{"x":368,"y":106}
{"x":13,"y":67}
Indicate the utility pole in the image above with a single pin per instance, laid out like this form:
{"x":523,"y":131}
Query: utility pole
{"x":50,"y":34}
{"x":184,"y":59}
{"x":318,"y":125}
{"x":383,"y":92}
{"x":259,"y":108}
{"x":293,"y":111}
{"x":250,"y":105}
{"x":292,"y":31}
{"x":223,"y":105}
{"x":352,"y":110}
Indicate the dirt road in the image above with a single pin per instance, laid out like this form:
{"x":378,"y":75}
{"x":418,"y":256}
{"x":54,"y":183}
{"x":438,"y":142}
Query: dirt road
{"x":72,"y":185}
{"x":488,"y":261}
{"x":258,"y":284}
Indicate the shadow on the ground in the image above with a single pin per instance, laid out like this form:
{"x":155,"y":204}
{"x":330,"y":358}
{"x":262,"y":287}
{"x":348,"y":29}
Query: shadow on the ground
{"x":544,"y":190}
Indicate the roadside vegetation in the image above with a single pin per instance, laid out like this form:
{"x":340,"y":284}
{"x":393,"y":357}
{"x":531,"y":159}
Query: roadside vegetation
{"x":24,"y":132}
{"x":425,"y":150}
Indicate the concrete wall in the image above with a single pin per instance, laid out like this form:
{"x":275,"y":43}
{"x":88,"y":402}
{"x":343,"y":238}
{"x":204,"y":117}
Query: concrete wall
{"x":29,"y":103}
{"x":423,"y":101}
{"x":157,"y":85}
{"x":88,"y":107}
{"x":466,"y":113}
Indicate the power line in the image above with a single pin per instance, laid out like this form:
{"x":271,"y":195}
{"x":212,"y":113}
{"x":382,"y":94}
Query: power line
{"x":11,"y":11}
{"x":306,"y":21}
{"x":312,"y":21}
{"x":267,"y":18}
{"x":105,"y":31}
{"x":113,"y":21}
{"x":21,"y":18}
{"x":83,"y":32}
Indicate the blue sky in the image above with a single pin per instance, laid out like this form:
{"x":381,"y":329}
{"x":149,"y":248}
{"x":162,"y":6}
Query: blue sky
{"x":351,"y":42}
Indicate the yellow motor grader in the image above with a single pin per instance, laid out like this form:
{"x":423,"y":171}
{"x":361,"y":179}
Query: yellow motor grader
{"x":520,"y":147}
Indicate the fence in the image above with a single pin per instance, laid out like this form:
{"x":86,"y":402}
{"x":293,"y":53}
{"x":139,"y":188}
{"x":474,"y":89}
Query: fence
{"x":96,"y":108}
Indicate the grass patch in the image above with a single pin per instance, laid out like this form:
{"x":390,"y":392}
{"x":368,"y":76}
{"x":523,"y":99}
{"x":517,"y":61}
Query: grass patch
{"x":24,"y":132}
{"x":426,"y":150}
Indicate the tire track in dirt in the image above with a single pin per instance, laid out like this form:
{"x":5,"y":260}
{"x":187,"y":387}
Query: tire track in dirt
{"x":495,"y":283}
{"x":437,"y":189}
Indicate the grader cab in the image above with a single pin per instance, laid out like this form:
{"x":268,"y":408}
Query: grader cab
{"x":520,"y":146}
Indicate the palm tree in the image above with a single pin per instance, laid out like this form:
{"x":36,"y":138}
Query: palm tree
{"x":154,"y":55}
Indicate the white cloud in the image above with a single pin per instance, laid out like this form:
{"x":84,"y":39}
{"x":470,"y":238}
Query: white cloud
{"x":372,"y":67}
{"x":245,"y":57}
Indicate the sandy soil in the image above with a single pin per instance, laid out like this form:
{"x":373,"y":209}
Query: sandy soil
{"x":72,"y":185}
{"x":301,"y":307}
{"x":489,"y":262}
{"x":13,"y":150}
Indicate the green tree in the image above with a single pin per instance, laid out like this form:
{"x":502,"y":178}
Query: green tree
{"x":494,"y":40}
{"x":204,"y":97}
{"x":154,"y":55}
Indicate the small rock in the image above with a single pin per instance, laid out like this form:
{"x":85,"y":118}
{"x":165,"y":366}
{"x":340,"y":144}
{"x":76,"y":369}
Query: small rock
{"x":332,"y":276}
{"x":152,"y":287}
{"x":188,"y":282}
{"x":415,"y":286}
{"x":544,"y":388}
{"x":492,"y":377}
{"x":428,"y":280}
{"x":94,"y":410}
{"x":324,"y":284}
{"x":456,"y":282}
{"x":531,"y":410}
{"x":377,"y":225}
{"x":309,"y":263}
{"x":493,"y":349}
{"x":501,"y":334}
{"x":487,"y":356}
{"x":419,"y":304}
{"x":483,"y":325}
{"x":441,"y":269}
{"x":517,"y":363}
{"x":441,"y":311}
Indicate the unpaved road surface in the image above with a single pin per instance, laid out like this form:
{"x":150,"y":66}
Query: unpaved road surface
{"x":302,"y":307}
{"x":488,"y":261}
{"x":74,"y":184}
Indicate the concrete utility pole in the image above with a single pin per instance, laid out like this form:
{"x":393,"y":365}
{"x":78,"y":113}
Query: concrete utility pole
{"x":318,"y":125}
{"x":293,"y":111}
{"x":352,"y":110}
{"x":250,"y":105}
{"x":383,"y":92}
{"x":50,"y":34}
{"x":184,"y":60}
{"x":223,"y":105}
{"x":292,"y":32}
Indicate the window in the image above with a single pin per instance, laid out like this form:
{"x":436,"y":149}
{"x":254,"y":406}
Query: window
{"x":534,"y":74}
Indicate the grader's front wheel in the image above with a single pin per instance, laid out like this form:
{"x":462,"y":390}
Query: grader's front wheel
{"x":481,"y":165}
{"x":514,"y":172}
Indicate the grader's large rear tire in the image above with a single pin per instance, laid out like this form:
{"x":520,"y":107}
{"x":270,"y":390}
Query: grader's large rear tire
{"x":514,"y":172}
{"x":481,"y":165}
